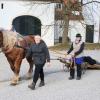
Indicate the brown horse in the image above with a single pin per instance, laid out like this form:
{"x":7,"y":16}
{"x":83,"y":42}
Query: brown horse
{"x":14,"y":54}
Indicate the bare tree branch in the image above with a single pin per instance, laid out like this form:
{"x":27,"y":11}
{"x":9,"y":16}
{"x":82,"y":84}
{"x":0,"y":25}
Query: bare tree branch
{"x":90,"y":2}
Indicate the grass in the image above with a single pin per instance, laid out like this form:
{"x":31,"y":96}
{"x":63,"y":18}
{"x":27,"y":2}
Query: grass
{"x":88,"y":46}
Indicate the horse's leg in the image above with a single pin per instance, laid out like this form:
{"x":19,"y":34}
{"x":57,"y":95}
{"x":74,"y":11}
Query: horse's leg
{"x":17,"y":64}
{"x":13,"y":69}
{"x":11,"y":64}
{"x":30,"y":71}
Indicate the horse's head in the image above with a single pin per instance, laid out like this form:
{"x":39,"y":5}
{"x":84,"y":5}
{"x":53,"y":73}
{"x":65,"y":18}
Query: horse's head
{"x":1,"y":39}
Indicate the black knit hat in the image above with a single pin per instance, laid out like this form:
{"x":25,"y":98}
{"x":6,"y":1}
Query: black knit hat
{"x":78,"y":35}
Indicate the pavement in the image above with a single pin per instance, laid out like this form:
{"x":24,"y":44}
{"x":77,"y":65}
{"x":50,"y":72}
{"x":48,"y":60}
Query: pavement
{"x":57,"y":87}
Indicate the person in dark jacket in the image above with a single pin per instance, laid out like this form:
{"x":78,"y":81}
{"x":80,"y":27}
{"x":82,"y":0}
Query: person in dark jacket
{"x":76,"y":51}
{"x":40,"y":54}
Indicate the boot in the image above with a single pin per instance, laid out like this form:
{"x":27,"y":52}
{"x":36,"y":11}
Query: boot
{"x":78,"y":78}
{"x":70,"y":78}
{"x":32,"y":86}
{"x":41,"y":84}
{"x":79,"y":72}
{"x":72,"y":72}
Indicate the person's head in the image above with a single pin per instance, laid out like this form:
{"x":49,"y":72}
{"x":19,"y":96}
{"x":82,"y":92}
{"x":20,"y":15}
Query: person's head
{"x":37,"y":39}
{"x":78,"y":38}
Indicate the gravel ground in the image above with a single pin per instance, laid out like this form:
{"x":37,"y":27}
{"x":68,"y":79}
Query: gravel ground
{"x":57,"y":87}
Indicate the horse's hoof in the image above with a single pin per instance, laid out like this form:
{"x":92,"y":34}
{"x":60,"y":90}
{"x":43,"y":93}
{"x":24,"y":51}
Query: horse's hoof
{"x":28,"y":76}
{"x":13,"y":83}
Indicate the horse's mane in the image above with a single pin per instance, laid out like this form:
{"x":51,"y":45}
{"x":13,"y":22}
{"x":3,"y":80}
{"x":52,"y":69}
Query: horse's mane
{"x":10,"y":38}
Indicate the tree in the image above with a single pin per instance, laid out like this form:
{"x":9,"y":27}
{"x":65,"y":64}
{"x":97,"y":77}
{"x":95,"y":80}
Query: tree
{"x":66,"y":20}
{"x":67,"y":6}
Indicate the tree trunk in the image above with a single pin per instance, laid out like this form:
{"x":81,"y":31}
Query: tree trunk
{"x":66,"y":23}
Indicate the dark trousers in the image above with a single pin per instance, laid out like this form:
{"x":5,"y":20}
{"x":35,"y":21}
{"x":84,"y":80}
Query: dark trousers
{"x":79,"y":70}
{"x":72,"y":70}
{"x":38,"y":73}
{"x":90,"y":60}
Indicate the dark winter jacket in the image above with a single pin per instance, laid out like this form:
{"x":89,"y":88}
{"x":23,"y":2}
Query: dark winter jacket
{"x":39,"y":53}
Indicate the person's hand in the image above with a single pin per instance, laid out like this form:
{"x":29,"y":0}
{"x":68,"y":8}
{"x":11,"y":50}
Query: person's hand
{"x":48,"y":64}
{"x":66,"y":55}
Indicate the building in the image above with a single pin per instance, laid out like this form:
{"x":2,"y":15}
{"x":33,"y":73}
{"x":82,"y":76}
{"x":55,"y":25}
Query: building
{"x":51,"y":18}
{"x":76,"y":22}
{"x":91,"y":13}
{"x":82,"y":19}
{"x":10,"y":10}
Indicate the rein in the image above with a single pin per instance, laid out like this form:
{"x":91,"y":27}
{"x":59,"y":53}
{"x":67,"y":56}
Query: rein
{"x":56,"y":52}
{"x":19,"y":46}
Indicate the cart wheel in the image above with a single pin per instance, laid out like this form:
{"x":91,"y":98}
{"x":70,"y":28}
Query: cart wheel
{"x":84,"y":67}
{"x":65,"y":68}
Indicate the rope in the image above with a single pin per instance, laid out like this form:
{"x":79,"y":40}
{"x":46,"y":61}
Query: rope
{"x":64,"y":62}
{"x":56,"y":52}
{"x":18,"y":40}
{"x":19,"y":35}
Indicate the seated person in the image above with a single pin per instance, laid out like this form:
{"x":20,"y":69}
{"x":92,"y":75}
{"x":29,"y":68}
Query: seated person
{"x":76,"y":51}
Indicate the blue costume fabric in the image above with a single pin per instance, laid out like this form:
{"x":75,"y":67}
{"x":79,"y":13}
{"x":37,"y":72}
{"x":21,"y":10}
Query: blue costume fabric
{"x":79,"y":60}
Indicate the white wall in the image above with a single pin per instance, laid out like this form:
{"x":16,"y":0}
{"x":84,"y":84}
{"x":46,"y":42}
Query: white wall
{"x":91,"y":13}
{"x":76,"y":27}
{"x":45,"y":13}
{"x":58,"y":30}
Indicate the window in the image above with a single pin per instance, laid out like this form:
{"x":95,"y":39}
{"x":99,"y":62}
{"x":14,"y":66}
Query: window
{"x":2,"y":5}
{"x":59,"y":6}
{"x":89,"y":33}
{"x":27,"y":25}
